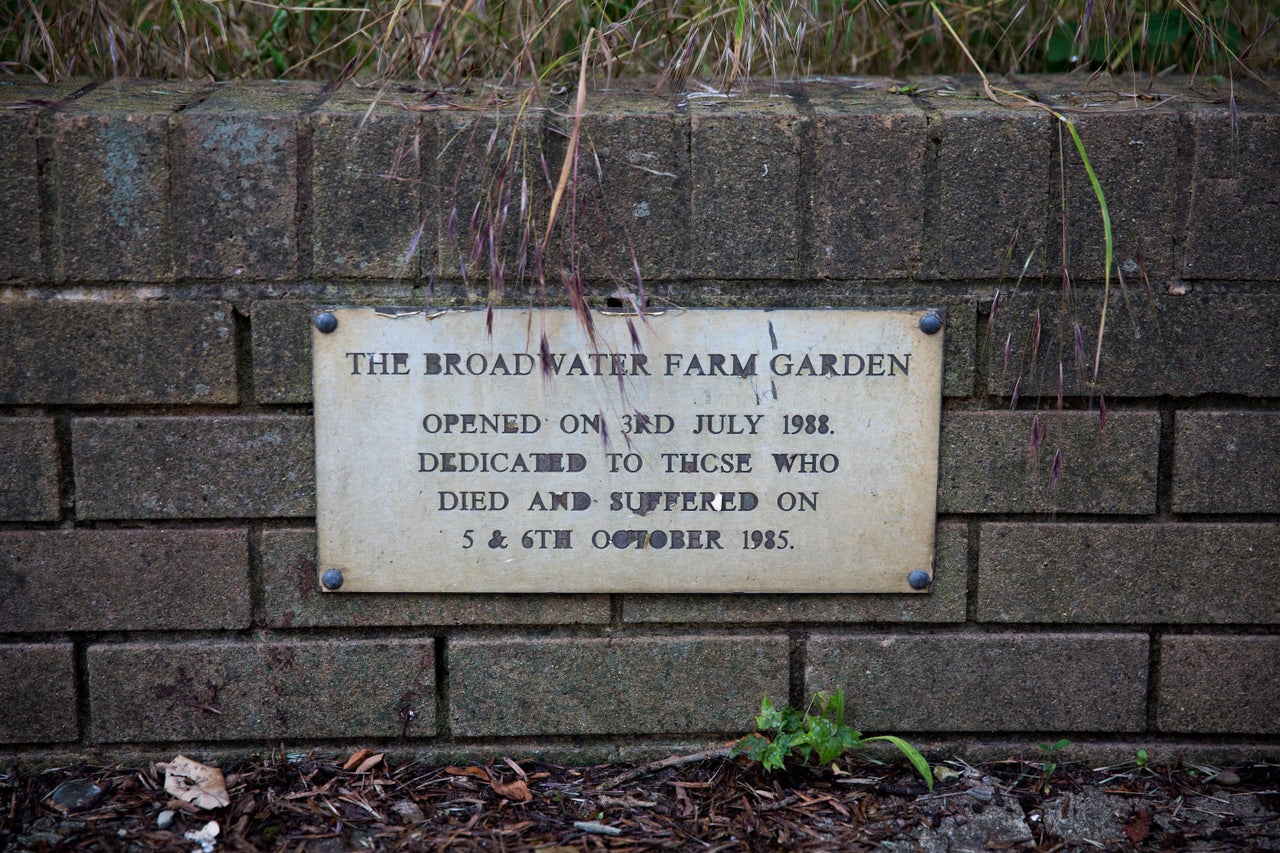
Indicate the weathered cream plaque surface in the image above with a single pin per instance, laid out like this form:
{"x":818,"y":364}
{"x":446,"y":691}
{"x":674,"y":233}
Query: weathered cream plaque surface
{"x":691,"y":451}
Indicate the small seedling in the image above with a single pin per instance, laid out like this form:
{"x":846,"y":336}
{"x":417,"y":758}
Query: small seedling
{"x":1051,"y":751}
{"x":819,"y":733}
{"x":1141,"y":760}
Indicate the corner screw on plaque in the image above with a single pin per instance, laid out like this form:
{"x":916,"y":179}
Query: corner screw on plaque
{"x":332,"y":579}
{"x":919,"y":579}
{"x":326,"y":322}
{"x":930,"y":324}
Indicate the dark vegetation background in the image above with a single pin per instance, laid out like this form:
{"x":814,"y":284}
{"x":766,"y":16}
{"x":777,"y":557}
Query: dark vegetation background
{"x":448,"y":41}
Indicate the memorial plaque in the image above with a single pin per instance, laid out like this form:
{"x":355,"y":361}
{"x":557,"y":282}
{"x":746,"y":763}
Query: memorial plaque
{"x":686,"y":451}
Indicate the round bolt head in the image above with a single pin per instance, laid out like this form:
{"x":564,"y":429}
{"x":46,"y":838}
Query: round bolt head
{"x":326,"y":322}
{"x":332,"y":579}
{"x":931,"y":324}
{"x":919,"y":579}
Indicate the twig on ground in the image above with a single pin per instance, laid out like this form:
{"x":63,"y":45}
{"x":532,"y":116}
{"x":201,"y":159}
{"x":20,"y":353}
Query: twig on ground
{"x":664,"y":763}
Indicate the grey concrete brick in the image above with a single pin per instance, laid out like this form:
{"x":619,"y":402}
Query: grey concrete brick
{"x":867,"y":193}
{"x":262,"y":690}
{"x":960,"y":347}
{"x":1179,"y":346}
{"x":281,"y":351}
{"x":1133,"y":158}
{"x":639,"y":685}
{"x":1130,"y":139}
{"x":196,"y":467}
{"x":986,"y":682}
{"x":89,"y":353}
{"x":944,"y":603}
{"x":1128,"y":573}
{"x":1233,"y":225}
{"x":111,"y":170}
{"x":20,"y":257}
{"x":990,"y":462}
{"x":490,"y":189}
{"x":994,"y":189}
{"x":28,"y":470}
{"x":744,"y":208}
{"x":38,"y":693}
{"x":291,"y":598}
{"x":236,"y":181}
{"x":21,"y":100}
{"x":1226,"y":462}
{"x":1219,"y":685}
{"x":123,"y":580}
{"x":366,"y":185}
{"x":634,"y":209}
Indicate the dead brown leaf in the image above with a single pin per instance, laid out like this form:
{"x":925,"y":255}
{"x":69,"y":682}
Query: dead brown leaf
{"x":369,"y":763}
{"x":1138,"y":827}
{"x":195,"y":783}
{"x":356,"y":757}
{"x":516,"y":790}
{"x":478,"y":772}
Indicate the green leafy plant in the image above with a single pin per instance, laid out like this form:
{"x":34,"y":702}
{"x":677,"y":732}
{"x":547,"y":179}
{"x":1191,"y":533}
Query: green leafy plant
{"x":1141,"y":760}
{"x":1051,"y":751}
{"x":819,"y":732}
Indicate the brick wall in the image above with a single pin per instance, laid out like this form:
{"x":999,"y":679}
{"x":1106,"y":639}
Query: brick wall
{"x":162,"y":246}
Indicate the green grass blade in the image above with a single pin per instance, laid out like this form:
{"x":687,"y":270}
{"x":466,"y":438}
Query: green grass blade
{"x":913,"y":755}
{"x":1106,"y":236}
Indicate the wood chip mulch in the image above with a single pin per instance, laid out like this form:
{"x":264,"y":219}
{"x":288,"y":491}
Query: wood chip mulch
{"x":305,"y":802}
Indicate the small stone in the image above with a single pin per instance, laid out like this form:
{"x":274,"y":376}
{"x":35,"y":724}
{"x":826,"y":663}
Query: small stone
{"x":942,"y":773}
{"x":981,"y":794}
{"x":164,"y":820}
{"x":328,"y":845}
{"x":75,"y":795}
{"x":409,"y":811}
{"x":35,"y":839}
{"x":593,"y":827}
{"x":1227,"y":777}
{"x":206,"y":836}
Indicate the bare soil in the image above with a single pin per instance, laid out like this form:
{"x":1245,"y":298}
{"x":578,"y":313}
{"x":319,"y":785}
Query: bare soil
{"x":311,"y":803}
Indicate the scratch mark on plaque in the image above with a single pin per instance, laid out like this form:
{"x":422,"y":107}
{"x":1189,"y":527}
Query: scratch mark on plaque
{"x":401,"y":313}
{"x":773,"y":339}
